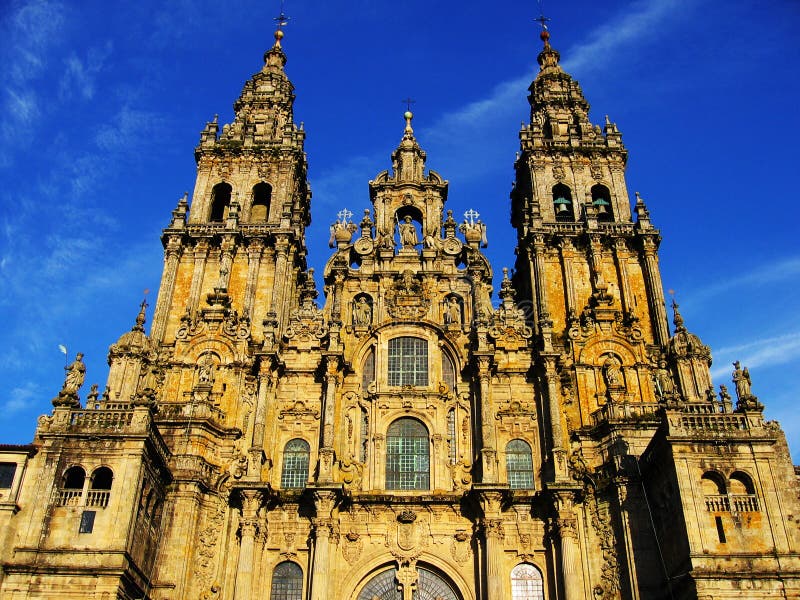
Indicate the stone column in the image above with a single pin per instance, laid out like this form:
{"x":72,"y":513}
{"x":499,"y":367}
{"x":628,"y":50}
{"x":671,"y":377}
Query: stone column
{"x":655,"y":291}
{"x":488,"y":441}
{"x":266,"y":388}
{"x":200,"y":256}
{"x":621,"y":254}
{"x":541,"y":284}
{"x":281,"y":281}
{"x":254,"y":251}
{"x":172,"y":255}
{"x":493,"y":535}
{"x":567,"y":254}
{"x":326,"y":452}
{"x":324,"y":535}
{"x":554,"y":406}
{"x":248,"y":528}
{"x":534,"y":290}
{"x":567,"y":526}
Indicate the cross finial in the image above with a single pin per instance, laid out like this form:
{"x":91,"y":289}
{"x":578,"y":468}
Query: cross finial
{"x":408,"y":102}
{"x":471,"y":216}
{"x":344,"y":215}
{"x":281,"y":20}
{"x":542,"y":20}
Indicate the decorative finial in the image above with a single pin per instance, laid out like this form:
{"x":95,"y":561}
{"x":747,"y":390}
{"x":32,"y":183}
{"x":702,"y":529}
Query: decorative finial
{"x":281,"y":21}
{"x":639,"y":198}
{"x":678,"y":318}
{"x":544,"y":35}
{"x":408,"y":115}
{"x":141,"y":318}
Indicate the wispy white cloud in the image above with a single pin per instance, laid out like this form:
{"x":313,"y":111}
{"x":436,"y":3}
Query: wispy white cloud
{"x":457,"y":131}
{"x":775,"y":272}
{"x":129,"y":129}
{"x":19,"y":398}
{"x":771,"y":351}
{"x":78,"y":77}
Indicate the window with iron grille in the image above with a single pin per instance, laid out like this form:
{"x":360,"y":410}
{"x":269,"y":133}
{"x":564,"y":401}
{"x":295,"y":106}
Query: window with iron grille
{"x":294,"y":474}
{"x":519,"y":465}
{"x":408,"y":361}
{"x":526,"y":583}
{"x":287,"y":582}
{"x":452,"y":450}
{"x":7,"y":471}
{"x":382,"y":586}
{"x":407,"y":456}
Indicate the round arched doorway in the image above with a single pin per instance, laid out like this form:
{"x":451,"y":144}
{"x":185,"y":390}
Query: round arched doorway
{"x":429,"y":585}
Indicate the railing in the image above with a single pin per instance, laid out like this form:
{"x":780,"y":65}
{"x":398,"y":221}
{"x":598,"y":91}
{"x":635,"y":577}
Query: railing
{"x":715,"y":422}
{"x":101,"y":419}
{"x":626,"y":411}
{"x":94,"y":498}
{"x":69,"y":497}
{"x":736,"y":503}
{"x":98,"y":498}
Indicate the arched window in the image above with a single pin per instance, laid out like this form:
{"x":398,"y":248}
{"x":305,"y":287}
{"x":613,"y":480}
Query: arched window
{"x":262,"y":196}
{"x":368,"y":373}
{"x":408,"y":361}
{"x":220,"y":200}
{"x":72,"y":488}
{"x":526,"y":583}
{"x":429,"y":586}
{"x":294,"y":474}
{"x":448,"y":372}
{"x":519,"y":465}
{"x":601,"y":200}
{"x":287,"y":582}
{"x":382,"y":586}
{"x":562,"y":203}
{"x":102,"y":478}
{"x":715,"y":492}
{"x":743,"y":493}
{"x":407,"y":456}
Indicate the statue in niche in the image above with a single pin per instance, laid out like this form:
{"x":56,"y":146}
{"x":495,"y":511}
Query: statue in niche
{"x":205,"y":371}
{"x":452,"y":312}
{"x":612,"y":373}
{"x":76,"y":373}
{"x":362,"y":312}
{"x":741,"y":379}
{"x":408,"y":233}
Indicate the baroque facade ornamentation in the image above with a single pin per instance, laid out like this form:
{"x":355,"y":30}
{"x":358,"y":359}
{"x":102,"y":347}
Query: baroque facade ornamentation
{"x":406,"y":437}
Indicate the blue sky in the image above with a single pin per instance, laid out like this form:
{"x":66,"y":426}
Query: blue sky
{"x":101,"y":112}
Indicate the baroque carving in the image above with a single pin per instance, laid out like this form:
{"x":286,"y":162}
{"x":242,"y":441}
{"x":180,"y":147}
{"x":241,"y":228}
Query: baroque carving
{"x":408,"y":298}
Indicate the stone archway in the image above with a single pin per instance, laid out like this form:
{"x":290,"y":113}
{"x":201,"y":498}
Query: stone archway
{"x":408,"y":583}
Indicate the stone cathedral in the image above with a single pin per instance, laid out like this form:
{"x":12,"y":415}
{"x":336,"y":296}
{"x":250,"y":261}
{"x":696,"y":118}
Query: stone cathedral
{"x":409,"y":437}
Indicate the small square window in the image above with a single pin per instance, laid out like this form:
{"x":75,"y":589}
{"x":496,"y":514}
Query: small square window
{"x":7,"y":471}
{"x":87,"y":521}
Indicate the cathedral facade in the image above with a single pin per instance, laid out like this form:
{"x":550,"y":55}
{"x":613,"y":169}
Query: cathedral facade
{"x":410,"y":438}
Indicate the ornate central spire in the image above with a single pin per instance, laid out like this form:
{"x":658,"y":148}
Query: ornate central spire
{"x":408,"y":161}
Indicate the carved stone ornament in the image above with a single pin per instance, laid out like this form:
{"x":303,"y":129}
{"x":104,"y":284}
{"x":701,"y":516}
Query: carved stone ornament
{"x":407,"y":516}
{"x":300,"y":411}
{"x":508,"y":321}
{"x":306,"y":323}
{"x":596,"y":170}
{"x":408,"y":298}
{"x":460,"y":548}
{"x":559,"y":173}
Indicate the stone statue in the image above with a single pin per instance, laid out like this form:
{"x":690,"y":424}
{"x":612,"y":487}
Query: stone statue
{"x":362,"y":313}
{"x":452,"y":313}
{"x":666,"y":386}
{"x":741,"y":379}
{"x":383,"y":239}
{"x":205,"y":370}
{"x":408,"y":233}
{"x":612,"y":373}
{"x":76,"y":373}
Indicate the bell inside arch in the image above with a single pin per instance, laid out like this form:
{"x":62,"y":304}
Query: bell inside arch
{"x":562,"y":204}
{"x":601,"y":205}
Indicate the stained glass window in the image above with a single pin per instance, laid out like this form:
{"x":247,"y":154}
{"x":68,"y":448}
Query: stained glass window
{"x":408,"y":361}
{"x":431,"y":586}
{"x":383,"y":586}
{"x":526,"y":583}
{"x":287,"y":582}
{"x":295,"y":464}
{"x":519,"y":465}
{"x":407,"y":456}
